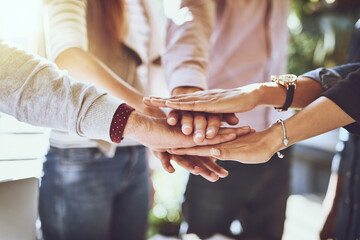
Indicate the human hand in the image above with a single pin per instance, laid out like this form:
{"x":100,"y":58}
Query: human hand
{"x":256,"y":147}
{"x":236,"y":100}
{"x":157,"y":134}
{"x":202,"y":125}
{"x":204,"y":166}
{"x":152,"y":111}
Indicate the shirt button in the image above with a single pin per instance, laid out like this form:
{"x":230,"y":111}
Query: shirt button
{"x":347,"y":200}
{"x":355,"y":207}
{"x":348,"y":174}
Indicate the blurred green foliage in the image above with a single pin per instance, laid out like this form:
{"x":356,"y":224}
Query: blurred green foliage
{"x":168,"y":193}
{"x":320,"y":33}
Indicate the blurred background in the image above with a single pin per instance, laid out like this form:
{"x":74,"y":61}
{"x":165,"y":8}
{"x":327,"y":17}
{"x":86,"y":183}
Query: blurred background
{"x":320,"y":33}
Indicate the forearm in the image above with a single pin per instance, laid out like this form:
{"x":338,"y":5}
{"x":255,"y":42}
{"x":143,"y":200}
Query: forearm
{"x":319,"y":117}
{"x":87,"y":68}
{"x":273,"y":94}
{"x":188,"y":44}
{"x":35,"y":91}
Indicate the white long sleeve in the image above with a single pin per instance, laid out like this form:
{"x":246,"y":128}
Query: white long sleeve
{"x":35,"y":91}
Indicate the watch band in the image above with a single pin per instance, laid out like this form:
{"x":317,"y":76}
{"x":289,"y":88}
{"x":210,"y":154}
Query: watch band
{"x":289,"y":99}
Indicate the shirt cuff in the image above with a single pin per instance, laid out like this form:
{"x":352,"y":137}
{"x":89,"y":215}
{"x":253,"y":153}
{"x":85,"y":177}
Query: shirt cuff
{"x":345,"y":94}
{"x":326,"y":77}
{"x":96,"y":123}
{"x":187,"y":77}
{"x":119,"y":121}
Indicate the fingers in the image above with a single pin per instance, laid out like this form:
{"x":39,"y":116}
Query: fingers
{"x":164,"y":158}
{"x":154,"y":102}
{"x":221,"y":153}
{"x":186,"y":123}
{"x":173,"y":117}
{"x":213,"y":125}
{"x":200,"y":124}
{"x":196,"y":151}
{"x":186,"y":163}
{"x":225,"y":135}
{"x":200,"y":167}
{"x":181,"y":102}
{"x":206,"y":167}
{"x":207,"y":151}
{"x":220,"y":138}
{"x":211,"y":164}
{"x":230,"y":118}
{"x":240,"y":131}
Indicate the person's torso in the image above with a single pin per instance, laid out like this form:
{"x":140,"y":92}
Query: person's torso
{"x":131,"y":62}
{"x":248,"y":44}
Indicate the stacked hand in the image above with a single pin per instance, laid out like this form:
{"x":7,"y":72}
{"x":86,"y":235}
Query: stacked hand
{"x":213,"y":101}
{"x":157,"y":134}
{"x":257,"y":147}
{"x":206,"y":110}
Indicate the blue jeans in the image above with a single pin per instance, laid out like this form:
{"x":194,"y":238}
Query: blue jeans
{"x":347,"y":215}
{"x":85,"y":195}
{"x":254,"y":194}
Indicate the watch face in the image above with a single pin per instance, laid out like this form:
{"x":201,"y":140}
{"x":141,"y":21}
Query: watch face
{"x":289,"y":78}
{"x":285,"y":80}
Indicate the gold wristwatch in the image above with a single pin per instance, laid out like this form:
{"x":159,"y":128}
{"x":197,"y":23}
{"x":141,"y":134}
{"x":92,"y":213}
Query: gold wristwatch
{"x":289,"y":82}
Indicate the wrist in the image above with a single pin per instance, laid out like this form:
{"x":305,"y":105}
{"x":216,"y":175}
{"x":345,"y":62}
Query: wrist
{"x":135,"y":126}
{"x":276,"y":137}
{"x":271,"y":94}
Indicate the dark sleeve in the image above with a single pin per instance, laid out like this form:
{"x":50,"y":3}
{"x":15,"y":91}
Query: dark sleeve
{"x":346,"y":94}
{"x":329,"y":77}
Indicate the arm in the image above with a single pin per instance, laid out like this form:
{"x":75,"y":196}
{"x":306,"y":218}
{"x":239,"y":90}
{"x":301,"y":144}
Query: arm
{"x":339,"y":106}
{"x":188,"y":44}
{"x":320,"y":116}
{"x":87,"y":68}
{"x":67,"y":45}
{"x":35,"y":91}
{"x":310,"y":85}
{"x":241,"y":99}
{"x":185,"y":64}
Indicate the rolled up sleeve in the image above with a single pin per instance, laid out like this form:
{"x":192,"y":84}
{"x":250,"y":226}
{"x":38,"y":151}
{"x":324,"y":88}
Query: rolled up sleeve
{"x":188,"y":44}
{"x":64,"y":26}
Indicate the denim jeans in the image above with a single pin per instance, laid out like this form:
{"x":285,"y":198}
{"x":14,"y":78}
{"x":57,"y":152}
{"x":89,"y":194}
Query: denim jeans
{"x":254,"y":194}
{"x":347,"y":216}
{"x":85,"y":195}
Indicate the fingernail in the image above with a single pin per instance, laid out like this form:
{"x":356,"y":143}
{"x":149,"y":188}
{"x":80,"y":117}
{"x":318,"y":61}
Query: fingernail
{"x":232,"y":135}
{"x":171,"y":121}
{"x":186,"y":129}
{"x":199,"y":136}
{"x":196,"y":170}
{"x":246,"y":127}
{"x":171,"y":169}
{"x":210,"y":131}
{"x":215,"y":152}
{"x":223,"y":173}
{"x":213,"y":176}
